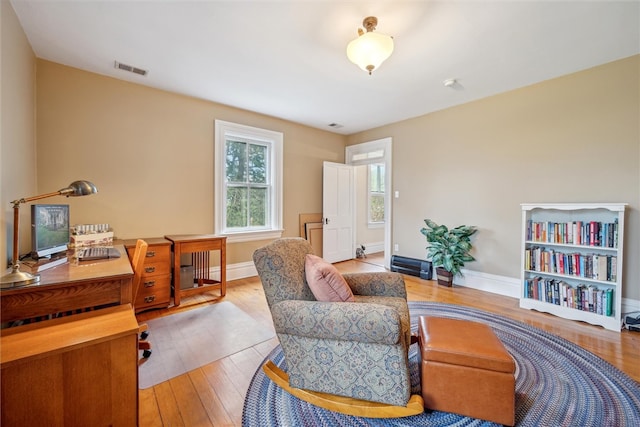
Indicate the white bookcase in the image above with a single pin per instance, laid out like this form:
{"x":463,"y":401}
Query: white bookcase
{"x":572,"y":257}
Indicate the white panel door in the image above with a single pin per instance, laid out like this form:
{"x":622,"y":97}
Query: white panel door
{"x":338,"y":212}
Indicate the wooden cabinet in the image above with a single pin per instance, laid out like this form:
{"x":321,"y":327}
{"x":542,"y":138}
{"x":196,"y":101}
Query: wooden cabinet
{"x":572,"y":256}
{"x":79,"y":370}
{"x":155,"y":289}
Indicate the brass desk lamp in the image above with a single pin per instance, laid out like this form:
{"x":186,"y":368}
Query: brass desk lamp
{"x":16,"y":277}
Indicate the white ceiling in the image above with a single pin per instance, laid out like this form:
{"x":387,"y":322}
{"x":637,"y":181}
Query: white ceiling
{"x":287,"y":58}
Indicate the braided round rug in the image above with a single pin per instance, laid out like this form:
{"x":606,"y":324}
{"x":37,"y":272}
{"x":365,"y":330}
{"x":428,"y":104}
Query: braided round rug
{"x":557,"y":384}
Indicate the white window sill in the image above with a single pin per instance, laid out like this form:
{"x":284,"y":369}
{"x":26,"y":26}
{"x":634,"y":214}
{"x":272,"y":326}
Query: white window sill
{"x":375,"y":225}
{"x":250,"y":236}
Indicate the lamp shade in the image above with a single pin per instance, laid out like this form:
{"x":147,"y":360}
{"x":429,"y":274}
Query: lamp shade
{"x":370,"y":50}
{"x":79,"y":188}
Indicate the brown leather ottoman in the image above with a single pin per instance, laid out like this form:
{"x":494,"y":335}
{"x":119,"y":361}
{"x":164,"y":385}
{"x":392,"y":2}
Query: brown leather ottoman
{"x":466,"y":370}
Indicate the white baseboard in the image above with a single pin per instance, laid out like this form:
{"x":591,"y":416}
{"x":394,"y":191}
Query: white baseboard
{"x":235,"y":271}
{"x":493,"y":283}
{"x":241,"y":270}
{"x":489,"y":283}
{"x":630,"y":305}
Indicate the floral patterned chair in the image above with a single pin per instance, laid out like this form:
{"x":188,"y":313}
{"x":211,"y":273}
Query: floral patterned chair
{"x":355,"y":349}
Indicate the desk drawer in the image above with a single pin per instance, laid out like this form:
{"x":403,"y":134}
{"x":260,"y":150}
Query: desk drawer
{"x":158,"y":260}
{"x":154,"y":291}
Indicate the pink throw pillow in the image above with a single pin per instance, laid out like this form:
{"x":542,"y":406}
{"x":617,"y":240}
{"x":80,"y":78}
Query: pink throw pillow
{"x":325,"y":281}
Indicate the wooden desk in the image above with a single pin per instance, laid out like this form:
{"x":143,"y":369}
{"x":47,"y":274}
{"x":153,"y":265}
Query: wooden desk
{"x":79,"y":370}
{"x":199,"y":245}
{"x":71,"y":286}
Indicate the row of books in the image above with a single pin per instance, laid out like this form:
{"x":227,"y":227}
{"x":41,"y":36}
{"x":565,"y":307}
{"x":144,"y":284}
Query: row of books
{"x":587,"y":233}
{"x":591,"y":266}
{"x":581,"y":297}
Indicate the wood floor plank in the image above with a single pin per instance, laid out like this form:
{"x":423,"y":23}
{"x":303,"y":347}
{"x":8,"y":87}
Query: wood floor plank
{"x":240,"y":379}
{"x":192,"y":410}
{"x":232,"y":399}
{"x":209,"y":399}
{"x":220,"y":387}
{"x":167,"y":405}
{"x":149,"y":413}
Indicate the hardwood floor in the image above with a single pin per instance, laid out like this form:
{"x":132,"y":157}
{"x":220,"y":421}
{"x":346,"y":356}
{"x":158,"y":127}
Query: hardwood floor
{"x":213,"y":395}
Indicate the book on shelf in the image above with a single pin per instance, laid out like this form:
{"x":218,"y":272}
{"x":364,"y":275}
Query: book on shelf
{"x":580,"y":233}
{"x":591,"y":266}
{"x":579,"y":297}
{"x":36,"y":266}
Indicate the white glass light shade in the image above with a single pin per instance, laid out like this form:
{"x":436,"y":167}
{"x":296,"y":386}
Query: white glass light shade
{"x":370,"y":50}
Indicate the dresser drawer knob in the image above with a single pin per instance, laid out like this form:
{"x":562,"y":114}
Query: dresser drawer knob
{"x":151,"y":254}
{"x":150,"y":284}
{"x":149,"y":298}
{"x":149,"y":269}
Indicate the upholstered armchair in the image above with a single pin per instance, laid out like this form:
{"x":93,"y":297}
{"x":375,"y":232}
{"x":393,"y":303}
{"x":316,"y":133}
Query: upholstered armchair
{"x":355,"y":349}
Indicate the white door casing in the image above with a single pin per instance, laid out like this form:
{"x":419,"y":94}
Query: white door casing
{"x":376,"y":152}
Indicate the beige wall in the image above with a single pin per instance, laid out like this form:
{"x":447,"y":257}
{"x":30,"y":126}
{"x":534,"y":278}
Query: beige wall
{"x":570,"y":139}
{"x":574,"y":139}
{"x":17,"y":127}
{"x":150,"y":153}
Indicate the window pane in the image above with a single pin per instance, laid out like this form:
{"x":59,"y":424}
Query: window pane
{"x":236,"y":161}
{"x":376,"y":177}
{"x":258,"y":207}
{"x":377,"y":208}
{"x":257,"y":164}
{"x":236,"y":207}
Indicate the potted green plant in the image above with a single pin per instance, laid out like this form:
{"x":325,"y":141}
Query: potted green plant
{"x":448,"y":249}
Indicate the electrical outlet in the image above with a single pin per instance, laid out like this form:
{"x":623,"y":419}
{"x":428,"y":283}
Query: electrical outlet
{"x":396,"y":247}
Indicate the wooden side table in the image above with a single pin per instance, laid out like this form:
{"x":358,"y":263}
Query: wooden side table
{"x":200,"y":246}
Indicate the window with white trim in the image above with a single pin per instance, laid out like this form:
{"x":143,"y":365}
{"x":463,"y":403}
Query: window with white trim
{"x":376,"y":193}
{"x":248,"y":182}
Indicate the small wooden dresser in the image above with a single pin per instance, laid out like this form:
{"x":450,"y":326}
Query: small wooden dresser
{"x":155,"y":289}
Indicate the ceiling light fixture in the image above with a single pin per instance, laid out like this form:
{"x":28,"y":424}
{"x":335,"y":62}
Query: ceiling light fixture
{"x":370,"y":49}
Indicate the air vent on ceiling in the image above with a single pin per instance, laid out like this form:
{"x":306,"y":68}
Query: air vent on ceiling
{"x":131,"y":69}
{"x":335,"y":125}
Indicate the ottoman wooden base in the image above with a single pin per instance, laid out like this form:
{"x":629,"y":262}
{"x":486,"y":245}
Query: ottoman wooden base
{"x":466,"y":370}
